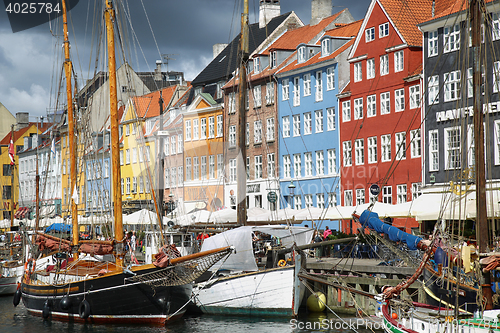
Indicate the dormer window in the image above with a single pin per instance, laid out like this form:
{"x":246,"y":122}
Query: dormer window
{"x":301,"y":54}
{"x":198,"y":90}
{"x":256,"y":65}
{"x":370,"y":34}
{"x":273,"y":59}
{"x":325,"y":47}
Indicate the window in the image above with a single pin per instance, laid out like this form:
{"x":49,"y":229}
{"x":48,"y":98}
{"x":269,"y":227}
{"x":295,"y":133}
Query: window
{"x":127,"y":156}
{"x":319,"y":86}
{"x":166,"y":147}
{"x":179,"y":143}
{"x":173,"y":147}
{"x":134,"y":155}
{"x":257,"y":98}
{"x":307,"y":84}
{"x":296,"y":92}
{"x":297,"y":165}
{"x":370,"y":34}
{"x":301,"y":57}
{"x":346,"y":111}
{"x":358,"y":108}
{"x":273,"y":59}
{"x":307,"y":123}
{"x":308,"y":164}
{"x":371,"y":105}
{"x":286,"y":127}
{"x":127,"y":129}
{"x":470,"y":86}
{"x":330,"y":118}
{"x":433,"y":151}
{"x":211,"y":127}
{"x":496,"y":76}
{"x":232,"y":170}
{"x":141,"y":182}
{"x":385,"y":145}
{"x":360,"y":196}
{"x":318,"y":115}
{"x":416,"y":144}
{"x":258,"y":201}
{"x":196,"y":132}
{"x":332,"y":199}
{"x":106,"y":169}
{"x":128,"y":185}
{"x":173,"y":179}
{"x":247,"y":100}
{"x":325,"y":47}
{"x":358,"y":72}
{"x":220,"y":165}
{"x":432,"y":43}
{"x":211,"y":166}
{"x":270,"y":129}
{"x":385,"y":103}
{"x":270,"y":93}
{"x":257,"y":132}
{"x":270,"y":166}
{"x":141,"y":150}
{"x":285,"y":90}
{"x":359,"y":150}
{"x":308,"y":200}
{"x":320,"y":163}
{"x":452,"y":148}
{"x":416,"y":190}
{"x":286,"y":166}
{"x":451,"y":38}
{"x":387,"y":194}
{"x":347,"y":152}
{"x":220,"y":124}
{"x":383,"y":30}
{"x":232,"y":136}
{"x":398,"y":61}
{"x":384,"y":64}
{"x":370,"y":68}
{"x":203,"y":167}
{"x":296,"y":125}
{"x":320,"y":200}
{"x":451,"y":86}
{"x":332,"y":162}
{"x":401,"y":145}
{"x":258,"y":167}
{"x":180,"y":175}
{"x":399,"y":99}
{"x":256,"y":65}
{"x":188,"y":168}
{"x":497,"y":142}
{"x":372,"y":149}
{"x":348,"y":198}
{"x":247,"y":134}
{"x":330,"y":78}
{"x":219,"y":89}
{"x":401,"y":193}
{"x":433,"y":87}
{"x":196,"y":169}
{"x":414,"y":96}
{"x":298,"y":202}
{"x":231,"y":108}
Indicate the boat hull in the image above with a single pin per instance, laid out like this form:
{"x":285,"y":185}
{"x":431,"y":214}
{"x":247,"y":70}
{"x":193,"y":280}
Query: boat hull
{"x":8,"y":285}
{"x":262,"y":293}
{"x":110,"y":299}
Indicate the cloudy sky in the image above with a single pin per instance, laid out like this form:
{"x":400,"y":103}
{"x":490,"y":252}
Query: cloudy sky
{"x":31,"y":60}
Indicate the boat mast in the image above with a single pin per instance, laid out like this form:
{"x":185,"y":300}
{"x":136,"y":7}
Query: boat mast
{"x":71,"y":130}
{"x":242,"y":180}
{"x":11,"y":193}
{"x":37,"y":181}
{"x":482,"y":227}
{"x":115,"y":138}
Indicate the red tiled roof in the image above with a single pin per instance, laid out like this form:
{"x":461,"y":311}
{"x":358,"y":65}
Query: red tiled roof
{"x":346,"y":89}
{"x":345,"y":30}
{"x":290,"y":39}
{"x":147,"y":106}
{"x":406,"y":15}
{"x":447,"y":7}
{"x":20,"y":132}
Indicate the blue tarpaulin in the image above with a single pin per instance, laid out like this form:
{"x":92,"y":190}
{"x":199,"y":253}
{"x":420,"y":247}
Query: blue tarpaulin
{"x":58,"y":227}
{"x":370,"y":220}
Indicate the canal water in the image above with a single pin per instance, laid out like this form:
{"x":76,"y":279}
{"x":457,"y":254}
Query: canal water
{"x":17,"y":320}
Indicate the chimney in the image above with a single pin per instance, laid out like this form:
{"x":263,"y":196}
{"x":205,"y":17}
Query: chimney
{"x":319,"y":10}
{"x":268,"y":10}
{"x":22,"y":119}
{"x":157,"y":75}
{"x":218,"y":48}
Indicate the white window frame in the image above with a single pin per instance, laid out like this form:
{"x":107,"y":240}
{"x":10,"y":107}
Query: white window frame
{"x":372,"y":149}
{"x":383,"y":30}
{"x":257,"y":132}
{"x":211,"y":127}
{"x":370,"y":68}
{"x":402,"y":193}
{"x":220,"y":126}
{"x":371,"y":105}
{"x":358,"y":72}
{"x":286,"y":126}
{"x":400,"y":145}
{"x":385,"y":103}
{"x":286,"y":166}
{"x":348,"y":198}
{"x":346,"y":111}
{"x":359,"y":151}
{"x":432,"y":43}
{"x":416,"y":143}
{"x":211,"y":166}
{"x":308,"y":165}
{"x":319,"y":86}
{"x":296,"y":91}
{"x":318,"y":121}
{"x":296,"y":124}
{"x":433,"y":150}
{"x":450,"y":150}
{"x":320,"y":163}
{"x":330,"y":119}
{"x":297,"y":165}
{"x":415,"y":96}
{"x":399,"y":100}
{"x":232,"y":136}
{"x":270,"y":129}
{"x":360,"y":196}
{"x":387,"y":194}
{"x":258,"y":166}
{"x":188,"y":130}
{"x":385,"y":147}
{"x":270,"y":93}
{"x":384,"y":64}
{"x":196,"y":132}
{"x":270,"y":165}
{"x":257,"y":97}
{"x":347,"y":153}
{"x":325,"y":47}
{"x":433,"y":88}
{"x":398,"y":61}
{"x":358,"y":108}
{"x":332,"y":161}
{"x":306,"y":80}
{"x":307,"y":123}
{"x":451,"y":38}
{"x":188,"y":168}
{"x":452,"y":86}
{"x":370,"y":34}
{"x":330,"y":78}
{"x":285,"y":89}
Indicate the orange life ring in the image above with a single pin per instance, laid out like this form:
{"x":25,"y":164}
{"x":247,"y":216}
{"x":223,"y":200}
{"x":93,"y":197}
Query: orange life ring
{"x":29,"y":270}
{"x":282,"y":263}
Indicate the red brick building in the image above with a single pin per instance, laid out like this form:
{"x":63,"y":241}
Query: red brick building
{"x":380,"y":116}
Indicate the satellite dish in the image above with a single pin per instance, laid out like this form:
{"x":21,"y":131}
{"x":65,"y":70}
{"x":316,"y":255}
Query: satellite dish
{"x":170,"y":224}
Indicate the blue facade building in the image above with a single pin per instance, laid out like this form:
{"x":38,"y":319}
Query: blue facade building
{"x":309,"y":122}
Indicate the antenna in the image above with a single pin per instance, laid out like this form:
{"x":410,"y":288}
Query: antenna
{"x":166,"y":58}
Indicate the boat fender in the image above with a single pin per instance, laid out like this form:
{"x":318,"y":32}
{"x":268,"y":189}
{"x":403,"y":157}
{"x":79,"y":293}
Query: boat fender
{"x":46,"y":310}
{"x":29,"y":267}
{"x":84,"y":310}
{"x":282,"y":263}
{"x":65,"y":303}
{"x":17,"y":297}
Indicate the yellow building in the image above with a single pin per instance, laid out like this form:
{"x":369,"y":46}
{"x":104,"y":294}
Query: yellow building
{"x":10,"y":190}
{"x":204,"y":153}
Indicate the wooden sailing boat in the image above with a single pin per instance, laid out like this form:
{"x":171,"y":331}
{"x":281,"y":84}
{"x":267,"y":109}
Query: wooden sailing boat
{"x":91,"y":290}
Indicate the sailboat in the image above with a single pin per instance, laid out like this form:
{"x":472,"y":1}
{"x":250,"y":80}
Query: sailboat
{"x":84,"y":285}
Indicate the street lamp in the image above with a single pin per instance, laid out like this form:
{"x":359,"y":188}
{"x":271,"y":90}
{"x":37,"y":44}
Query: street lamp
{"x":291,"y":191}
